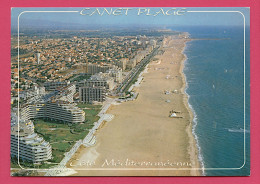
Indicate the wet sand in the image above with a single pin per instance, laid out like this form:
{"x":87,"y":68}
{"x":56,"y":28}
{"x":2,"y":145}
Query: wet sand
{"x":142,"y":140}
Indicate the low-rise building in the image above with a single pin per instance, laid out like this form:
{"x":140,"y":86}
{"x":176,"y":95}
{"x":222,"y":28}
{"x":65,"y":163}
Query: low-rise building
{"x":36,"y":90}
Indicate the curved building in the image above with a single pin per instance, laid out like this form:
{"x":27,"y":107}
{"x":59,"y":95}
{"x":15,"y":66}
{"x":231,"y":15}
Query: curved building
{"x":56,"y":110}
{"x":28,"y":144}
{"x":57,"y":105}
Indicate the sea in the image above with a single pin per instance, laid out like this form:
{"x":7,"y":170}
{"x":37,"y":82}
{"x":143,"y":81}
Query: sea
{"x":218,"y":87}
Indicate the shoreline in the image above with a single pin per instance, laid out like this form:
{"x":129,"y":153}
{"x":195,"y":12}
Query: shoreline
{"x":193,"y":149}
{"x":187,"y":152}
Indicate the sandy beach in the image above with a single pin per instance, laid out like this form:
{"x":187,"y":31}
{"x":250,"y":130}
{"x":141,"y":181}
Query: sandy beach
{"x":142,"y":139}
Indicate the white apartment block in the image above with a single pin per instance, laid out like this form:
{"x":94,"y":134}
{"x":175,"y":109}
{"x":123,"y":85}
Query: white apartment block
{"x":57,"y":105}
{"x":31,"y":146}
{"x":56,"y":110}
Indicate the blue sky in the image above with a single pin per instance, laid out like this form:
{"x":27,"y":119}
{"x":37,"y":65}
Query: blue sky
{"x":132,"y":18}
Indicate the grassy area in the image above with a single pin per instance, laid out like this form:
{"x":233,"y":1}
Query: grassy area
{"x":26,"y":165}
{"x":62,"y":136}
{"x":81,"y":77}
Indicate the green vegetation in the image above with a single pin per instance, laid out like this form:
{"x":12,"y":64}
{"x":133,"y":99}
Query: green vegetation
{"x":72,"y":76}
{"x":24,"y":172}
{"x":62,"y":136}
{"x":80,"y":78}
{"x":26,"y":164}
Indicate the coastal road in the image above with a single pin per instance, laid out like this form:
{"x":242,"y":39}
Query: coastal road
{"x":135,"y":71}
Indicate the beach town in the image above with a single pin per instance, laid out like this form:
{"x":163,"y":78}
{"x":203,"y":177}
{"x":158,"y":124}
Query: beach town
{"x":155,"y":127}
{"x":142,"y":126}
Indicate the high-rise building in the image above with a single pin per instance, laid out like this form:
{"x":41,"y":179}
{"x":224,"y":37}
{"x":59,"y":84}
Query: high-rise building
{"x":116,"y":73}
{"x":121,"y":63}
{"x":28,"y":145}
{"x":91,"y":94}
{"x":98,"y":80}
{"x":153,"y":43}
{"x":131,"y":64}
{"x":95,"y":68}
{"x":57,"y":110}
{"x":65,"y":93}
{"x":57,"y":105}
{"x":38,"y":57}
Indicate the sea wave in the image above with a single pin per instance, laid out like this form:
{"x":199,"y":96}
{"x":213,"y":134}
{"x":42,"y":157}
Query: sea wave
{"x":195,"y":122}
{"x":240,"y":130}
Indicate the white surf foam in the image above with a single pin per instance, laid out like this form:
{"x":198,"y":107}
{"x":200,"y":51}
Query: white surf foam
{"x":240,"y":130}
{"x":195,"y":121}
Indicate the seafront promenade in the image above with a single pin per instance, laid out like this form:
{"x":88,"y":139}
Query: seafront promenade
{"x":143,"y":131}
{"x":89,"y":140}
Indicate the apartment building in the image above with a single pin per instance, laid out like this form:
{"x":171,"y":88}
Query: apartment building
{"x":121,"y":63}
{"x":28,"y":145}
{"x":91,"y":94}
{"x":116,"y":74}
{"x":56,"y":110}
{"x":57,"y":105}
{"x":51,"y":86}
{"x":98,"y":80}
{"x":95,"y":68}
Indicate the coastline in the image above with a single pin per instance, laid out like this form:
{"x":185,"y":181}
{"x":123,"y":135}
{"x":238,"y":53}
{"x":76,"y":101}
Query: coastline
{"x":193,"y":148}
{"x":176,"y":129}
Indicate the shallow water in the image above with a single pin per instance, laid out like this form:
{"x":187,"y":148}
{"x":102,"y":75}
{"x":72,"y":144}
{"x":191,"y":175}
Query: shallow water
{"x":214,"y":72}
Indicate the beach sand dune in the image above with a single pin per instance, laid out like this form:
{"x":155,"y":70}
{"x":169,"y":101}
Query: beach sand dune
{"x":142,"y":135}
